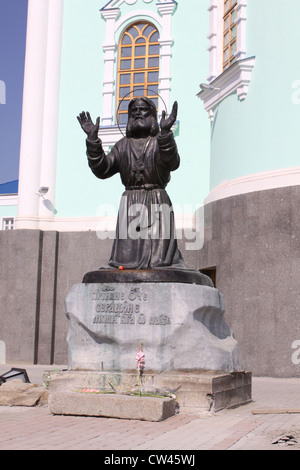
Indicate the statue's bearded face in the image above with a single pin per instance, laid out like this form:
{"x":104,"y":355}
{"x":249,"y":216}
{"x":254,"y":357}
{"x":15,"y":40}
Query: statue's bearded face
{"x":140,"y":119}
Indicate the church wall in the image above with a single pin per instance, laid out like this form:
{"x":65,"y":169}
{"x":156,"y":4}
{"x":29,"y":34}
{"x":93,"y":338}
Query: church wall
{"x":261,"y":133}
{"x":251,"y":212}
{"x":78,"y":192}
{"x":190,"y":184}
{"x":253,"y":241}
{"x":8,"y":211}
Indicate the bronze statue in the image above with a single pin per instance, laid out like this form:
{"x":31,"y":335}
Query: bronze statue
{"x":144,"y":159}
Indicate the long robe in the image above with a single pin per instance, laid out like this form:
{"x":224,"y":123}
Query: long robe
{"x":145,"y":232}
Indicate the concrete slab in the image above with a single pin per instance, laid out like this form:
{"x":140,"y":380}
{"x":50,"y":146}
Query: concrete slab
{"x":112,"y":406}
{"x":196,"y":392}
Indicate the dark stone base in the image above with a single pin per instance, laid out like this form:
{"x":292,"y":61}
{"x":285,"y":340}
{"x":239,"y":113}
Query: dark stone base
{"x":184,"y":276}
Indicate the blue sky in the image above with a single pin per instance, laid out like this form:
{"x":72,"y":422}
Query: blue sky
{"x":13,"y":16}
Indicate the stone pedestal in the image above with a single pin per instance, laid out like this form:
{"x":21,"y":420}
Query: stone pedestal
{"x":180,"y":325}
{"x":191,"y":356}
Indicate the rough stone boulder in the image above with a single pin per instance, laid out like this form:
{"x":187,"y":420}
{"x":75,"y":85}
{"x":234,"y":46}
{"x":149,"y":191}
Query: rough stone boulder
{"x":17,"y":393}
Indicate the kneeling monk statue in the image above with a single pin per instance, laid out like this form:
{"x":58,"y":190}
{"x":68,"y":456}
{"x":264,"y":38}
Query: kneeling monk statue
{"x":144,"y":159}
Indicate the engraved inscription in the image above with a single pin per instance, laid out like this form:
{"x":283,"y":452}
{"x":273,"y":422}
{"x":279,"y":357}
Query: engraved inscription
{"x":108,"y":296}
{"x":107,"y":319}
{"x":114,"y":307}
{"x":137,"y":294}
{"x":142,"y":319}
{"x":117,"y":307}
{"x":159,"y":320}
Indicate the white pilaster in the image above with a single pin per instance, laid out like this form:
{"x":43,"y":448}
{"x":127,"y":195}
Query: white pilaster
{"x":51,"y":110}
{"x":213,"y":40}
{"x":241,"y":17}
{"x":166,"y":11}
{"x":40,"y":112}
{"x":33,"y":112}
{"x":109,"y":48}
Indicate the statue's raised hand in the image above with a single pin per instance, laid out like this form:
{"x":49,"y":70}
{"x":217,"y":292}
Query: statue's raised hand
{"x":88,"y":126}
{"x":166,"y":124}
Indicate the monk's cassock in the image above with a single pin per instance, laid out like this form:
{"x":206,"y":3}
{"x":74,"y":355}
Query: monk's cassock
{"x":147,"y":239}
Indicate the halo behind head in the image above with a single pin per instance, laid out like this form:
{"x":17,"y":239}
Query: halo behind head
{"x":154,"y":127}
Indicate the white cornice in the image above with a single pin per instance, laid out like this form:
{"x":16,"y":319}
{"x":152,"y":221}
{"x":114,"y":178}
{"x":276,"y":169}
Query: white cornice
{"x":105,"y":226}
{"x":8,"y":199}
{"x":235,"y":79}
{"x":139,"y":14}
{"x":118,"y":3}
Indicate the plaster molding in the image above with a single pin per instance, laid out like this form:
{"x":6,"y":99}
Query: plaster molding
{"x":256,"y":182}
{"x":166,"y":8}
{"x":119,"y":3}
{"x":8,"y":199}
{"x":234,"y":79}
{"x":137,"y":14}
{"x":29,"y":222}
{"x":103,"y":224}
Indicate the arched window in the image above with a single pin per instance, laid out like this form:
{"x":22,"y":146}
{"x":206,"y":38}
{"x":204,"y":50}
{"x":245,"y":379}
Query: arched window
{"x":229,"y":68}
{"x":230,"y":33}
{"x":138,"y":66}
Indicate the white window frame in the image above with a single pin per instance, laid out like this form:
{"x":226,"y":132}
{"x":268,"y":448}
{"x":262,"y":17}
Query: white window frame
{"x":235,"y":78}
{"x":115,"y":26}
{"x":8,"y":200}
{"x":11,"y":221}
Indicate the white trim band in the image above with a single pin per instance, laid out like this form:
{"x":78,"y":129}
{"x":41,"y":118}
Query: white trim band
{"x":256,"y":182}
{"x":8,"y":199}
{"x":84,"y":224}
